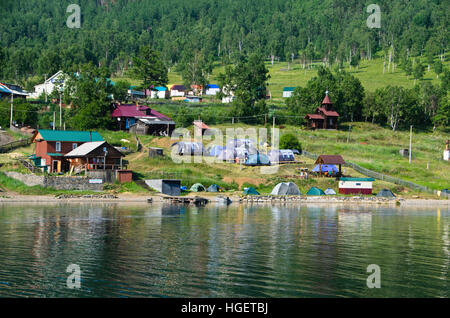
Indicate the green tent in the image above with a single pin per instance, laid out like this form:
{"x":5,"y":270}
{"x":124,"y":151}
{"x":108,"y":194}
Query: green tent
{"x":315,"y":191}
{"x":214,"y":188}
{"x":250,"y":191}
{"x":198,"y":188}
{"x":385,"y":193}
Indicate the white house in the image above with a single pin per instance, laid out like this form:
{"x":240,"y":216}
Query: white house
{"x":288,"y":91}
{"x":178,"y":91}
{"x":57,"y":80}
{"x":356,"y":185}
{"x":212,"y":89}
{"x":159,"y":92}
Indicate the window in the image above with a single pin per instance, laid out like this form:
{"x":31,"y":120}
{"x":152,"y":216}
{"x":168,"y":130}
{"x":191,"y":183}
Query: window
{"x":74,"y":145}
{"x":58,"y":146}
{"x":358,"y":184}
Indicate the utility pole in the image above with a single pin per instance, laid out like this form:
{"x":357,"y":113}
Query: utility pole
{"x":60,"y":109}
{"x":54,"y":119}
{"x":12,"y":106}
{"x":348,"y":137}
{"x":273,"y":133}
{"x":410,"y":144}
{"x":45,"y":88}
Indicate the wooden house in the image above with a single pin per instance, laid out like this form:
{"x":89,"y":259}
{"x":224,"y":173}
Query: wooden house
{"x":96,"y":155}
{"x":52,"y":145}
{"x":325,"y":117}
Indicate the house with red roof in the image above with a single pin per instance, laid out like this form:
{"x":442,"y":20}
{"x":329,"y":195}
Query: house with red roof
{"x":142,"y":120}
{"x":325,"y":117}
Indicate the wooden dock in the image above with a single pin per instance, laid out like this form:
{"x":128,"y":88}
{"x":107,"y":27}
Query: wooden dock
{"x":198,"y":201}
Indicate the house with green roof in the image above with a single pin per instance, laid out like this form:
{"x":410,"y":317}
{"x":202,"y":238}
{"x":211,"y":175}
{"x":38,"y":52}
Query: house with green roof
{"x":53,"y":145}
{"x":288,"y":91}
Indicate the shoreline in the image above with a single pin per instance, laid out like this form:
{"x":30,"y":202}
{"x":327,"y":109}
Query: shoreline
{"x":259,"y":200}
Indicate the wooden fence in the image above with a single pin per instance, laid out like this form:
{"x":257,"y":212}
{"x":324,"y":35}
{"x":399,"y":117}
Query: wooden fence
{"x":15,"y":144}
{"x":382,"y":176}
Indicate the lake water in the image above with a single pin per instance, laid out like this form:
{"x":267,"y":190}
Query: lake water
{"x":218,"y":251}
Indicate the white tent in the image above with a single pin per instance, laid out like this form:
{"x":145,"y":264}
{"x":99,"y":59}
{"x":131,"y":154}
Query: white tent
{"x":330,"y":191}
{"x":286,"y":188}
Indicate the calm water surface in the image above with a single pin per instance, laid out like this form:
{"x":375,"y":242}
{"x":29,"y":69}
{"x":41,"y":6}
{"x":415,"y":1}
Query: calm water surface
{"x":218,"y":251}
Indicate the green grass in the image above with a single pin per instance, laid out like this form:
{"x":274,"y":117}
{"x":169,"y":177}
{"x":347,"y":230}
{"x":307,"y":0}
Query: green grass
{"x":370,"y":73}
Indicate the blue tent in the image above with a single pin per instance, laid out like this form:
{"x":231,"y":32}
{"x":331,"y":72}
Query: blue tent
{"x":326,"y":168}
{"x":257,"y":159}
{"x":216,"y":151}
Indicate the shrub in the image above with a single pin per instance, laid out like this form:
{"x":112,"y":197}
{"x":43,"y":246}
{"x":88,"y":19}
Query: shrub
{"x":289,"y":141}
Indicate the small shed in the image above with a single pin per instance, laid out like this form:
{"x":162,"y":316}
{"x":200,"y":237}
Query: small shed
{"x":155,"y":152}
{"x":288,"y":91}
{"x":356,"y":185}
{"x":124,"y":176}
{"x":168,"y":187}
{"x":212,"y":89}
{"x":330,"y":160}
{"x":200,"y":127}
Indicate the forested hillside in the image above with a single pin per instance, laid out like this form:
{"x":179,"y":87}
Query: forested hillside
{"x":35,"y":40}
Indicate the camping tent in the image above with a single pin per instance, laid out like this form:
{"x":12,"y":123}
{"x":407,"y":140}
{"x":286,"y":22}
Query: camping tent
{"x":215,"y":151}
{"x":189,"y":148}
{"x":198,"y":188}
{"x":330,"y":191}
{"x":326,"y":168}
{"x":227,"y":154}
{"x":446,"y":191}
{"x":257,"y":159}
{"x":281,"y":155}
{"x":286,"y":188}
{"x":385,"y":193}
{"x":315,"y":191}
{"x":214,"y":188}
{"x":236,"y":143}
{"x":250,"y":191}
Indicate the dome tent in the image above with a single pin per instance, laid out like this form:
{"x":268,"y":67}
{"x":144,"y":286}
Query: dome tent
{"x":286,"y":188}
{"x":326,"y":168}
{"x":330,"y":191}
{"x":214,"y":188}
{"x":315,"y":191}
{"x":215,"y":151}
{"x":385,"y":193}
{"x":198,"y":188}
{"x":258,"y":159}
{"x":250,"y":191}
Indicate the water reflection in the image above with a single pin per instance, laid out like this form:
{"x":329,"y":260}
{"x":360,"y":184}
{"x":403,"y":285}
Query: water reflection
{"x":223,"y":251}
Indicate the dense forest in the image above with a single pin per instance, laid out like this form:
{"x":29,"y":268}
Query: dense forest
{"x":35,"y":40}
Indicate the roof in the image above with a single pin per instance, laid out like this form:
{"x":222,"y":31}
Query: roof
{"x":358,"y":179}
{"x":314,"y":116}
{"x":85,"y":148}
{"x":130,"y":111}
{"x":160,"y":89}
{"x":328,"y":113}
{"x":288,"y":89}
{"x":212,"y":86}
{"x":200,"y":124}
{"x":68,"y":135}
{"x":51,"y":154}
{"x":12,"y":89}
{"x":178,"y":88}
{"x":149,"y":121}
{"x":326,"y":100}
{"x":330,"y":160}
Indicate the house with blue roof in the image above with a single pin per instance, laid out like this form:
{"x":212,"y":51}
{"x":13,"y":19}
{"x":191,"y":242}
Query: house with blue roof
{"x":159,"y":92}
{"x":212,"y":89}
